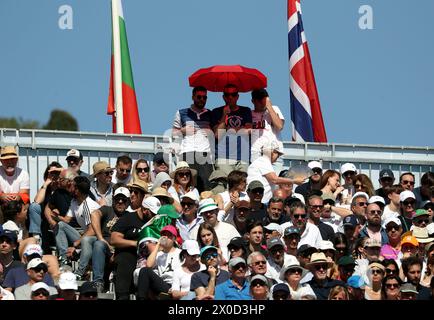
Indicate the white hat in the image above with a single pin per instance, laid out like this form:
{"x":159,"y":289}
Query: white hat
{"x":68,"y":281}
{"x":360,"y":194}
{"x":298,"y":196}
{"x":191,"y":195}
{"x":405,"y":195}
{"x":314,"y":164}
{"x":73,"y":153}
{"x":40,"y":285}
{"x":32,"y":249}
{"x":430,"y":228}
{"x":34,"y":263}
{"x":326,"y":245}
{"x":151,"y":203}
{"x":273,"y":145}
{"x":191,"y":246}
{"x":348,"y":167}
{"x":273,"y":227}
{"x":206,"y":205}
{"x":391,"y":219}
{"x":122,"y":190}
{"x":376,"y":199}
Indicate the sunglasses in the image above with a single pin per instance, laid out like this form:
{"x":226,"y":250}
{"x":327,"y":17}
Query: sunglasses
{"x":73,"y":160}
{"x":160,"y":163}
{"x":392,"y":285}
{"x":358,"y":186}
{"x":258,"y":283}
{"x":187,"y":204}
{"x":139,"y":170}
{"x":316,"y":206}
{"x":40,"y":292}
{"x":280,"y":296}
{"x":349,"y":174}
{"x":379,"y":212}
{"x":211,"y":256}
{"x":296,"y":270}
{"x":420,"y":221}
{"x":362,"y":204}
{"x":200,"y":97}
{"x":231,"y":94}
{"x":317,"y":170}
{"x":377,"y":271}
{"x":239,"y":266}
{"x":120,"y":199}
{"x":300,"y":216}
{"x":108,"y":173}
{"x":407,"y":203}
{"x":39,"y":269}
{"x":257,"y":263}
{"x":408,"y":182}
{"x":184,"y":174}
{"x":320,"y":266}
{"x":124,"y":170}
{"x":167,"y":183}
{"x":390,"y":271}
{"x":393,"y":227}
{"x":341,"y":249}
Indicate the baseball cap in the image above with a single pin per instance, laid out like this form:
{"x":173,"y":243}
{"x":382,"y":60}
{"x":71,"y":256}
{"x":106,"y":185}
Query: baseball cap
{"x":88,"y":287}
{"x":348,"y":167}
{"x":408,"y":287}
{"x":273,"y":242}
{"x":74,"y":153}
{"x":356,"y":282}
{"x":314,"y":164}
{"x":35,"y":262}
{"x":159,"y":158}
{"x":279,"y":287}
{"x":234,"y":261}
{"x":378,"y":200}
{"x":68,"y":281}
{"x":273,"y":145}
{"x":291,"y":230}
{"x":273,"y":227}
{"x":11,"y":235}
{"x":33,"y":249}
{"x":236,"y":243}
{"x":351,"y":221}
{"x":420,"y":212}
{"x":391,"y":219}
{"x":427,"y":204}
{"x":191,"y":246}
{"x":346,"y":261}
{"x":206,"y":248}
{"x":191,"y":195}
{"x":122,"y":190}
{"x":410,"y":240}
{"x":405,"y":195}
{"x":372,"y":243}
{"x":305,"y":248}
{"x":206,"y":205}
{"x":151,"y":203}
{"x":255,"y":184}
{"x":326,"y":245}
{"x":171,"y":229}
{"x":259,"y":277}
{"x":386,"y":173}
{"x":40,"y":285}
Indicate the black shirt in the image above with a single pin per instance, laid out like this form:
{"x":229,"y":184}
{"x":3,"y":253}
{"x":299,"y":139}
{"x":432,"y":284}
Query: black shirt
{"x":327,"y":232}
{"x":108,"y":220}
{"x":322,"y":292}
{"x":129,"y":225}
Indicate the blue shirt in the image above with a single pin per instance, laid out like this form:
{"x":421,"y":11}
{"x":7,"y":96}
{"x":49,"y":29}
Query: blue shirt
{"x":228,"y":291}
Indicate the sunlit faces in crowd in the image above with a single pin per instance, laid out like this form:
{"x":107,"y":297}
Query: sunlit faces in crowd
{"x":407,"y":181}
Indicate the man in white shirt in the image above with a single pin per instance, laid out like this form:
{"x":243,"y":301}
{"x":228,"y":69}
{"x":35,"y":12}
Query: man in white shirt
{"x":81,"y":207}
{"x":277,"y":258}
{"x":392,"y":209}
{"x":267,"y":122}
{"x":12,"y":178}
{"x":310,"y":233}
{"x":122,"y":172}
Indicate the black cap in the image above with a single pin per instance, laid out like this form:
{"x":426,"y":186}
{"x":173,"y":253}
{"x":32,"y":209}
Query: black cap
{"x":88,"y":287}
{"x":236,"y":243}
{"x":159,"y":157}
{"x":305,"y":248}
{"x":259,"y":94}
{"x":386,"y":173}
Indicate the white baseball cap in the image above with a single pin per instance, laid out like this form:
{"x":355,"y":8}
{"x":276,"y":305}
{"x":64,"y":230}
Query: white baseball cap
{"x":40,"y":285}
{"x":314,"y":164}
{"x":405,"y":195}
{"x":34,"y":263}
{"x":391,"y":219}
{"x":326,"y":245}
{"x":73,"y":153}
{"x":206,"y":205}
{"x":32,"y":249}
{"x":273,"y":227}
{"x":151,"y":203}
{"x":122,"y":190}
{"x":348,"y":167}
{"x":68,"y":281}
{"x":191,"y":246}
{"x":376,"y":199}
{"x":191,"y":195}
{"x":299,"y":196}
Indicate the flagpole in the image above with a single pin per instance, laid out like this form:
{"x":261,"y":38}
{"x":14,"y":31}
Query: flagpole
{"x":117,"y":78}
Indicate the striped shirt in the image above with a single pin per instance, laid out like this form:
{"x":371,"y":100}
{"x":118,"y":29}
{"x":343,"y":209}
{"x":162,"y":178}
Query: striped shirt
{"x":81,"y":212}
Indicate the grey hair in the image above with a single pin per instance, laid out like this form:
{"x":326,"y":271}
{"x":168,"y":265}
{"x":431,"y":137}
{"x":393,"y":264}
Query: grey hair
{"x":252,"y":255}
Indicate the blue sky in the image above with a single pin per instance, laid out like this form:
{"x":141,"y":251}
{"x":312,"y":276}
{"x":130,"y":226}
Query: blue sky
{"x":375,"y":86}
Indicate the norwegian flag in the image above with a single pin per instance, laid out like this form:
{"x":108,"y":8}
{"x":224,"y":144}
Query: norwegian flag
{"x":306,"y":116}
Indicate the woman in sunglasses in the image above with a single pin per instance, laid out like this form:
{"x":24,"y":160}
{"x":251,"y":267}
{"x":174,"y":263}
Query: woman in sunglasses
{"x":183,"y":180}
{"x":375,"y":275}
{"x":141,"y":172}
{"x":392,"y":248}
{"x":390,"y":287}
{"x":362,"y":183}
{"x":292,"y":275}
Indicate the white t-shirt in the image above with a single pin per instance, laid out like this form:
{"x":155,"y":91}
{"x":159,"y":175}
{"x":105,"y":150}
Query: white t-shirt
{"x":387,"y":213}
{"x":334,"y":221}
{"x":311,"y":234}
{"x":257,"y":171}
{"x":182,"y":279}
{"x":273,"y":269}
{"x":303,"y":290}
{"x":193,"y":141}
{"x":116,"y":180}
{"x":166,"y":264}
{"x":225,"y":232}
{"x":263,"y":131}
{"x":13,"y":184}
{"x":82,"y":212}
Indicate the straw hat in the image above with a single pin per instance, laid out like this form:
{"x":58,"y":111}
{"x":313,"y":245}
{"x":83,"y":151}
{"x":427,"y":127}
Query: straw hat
{"x":100,"y":166}
{"x":8,"y":152}
{"x":181,"y":166}
{"x":161,"y":192}
{"x":318,"y":258}
{"x":139,"y":184}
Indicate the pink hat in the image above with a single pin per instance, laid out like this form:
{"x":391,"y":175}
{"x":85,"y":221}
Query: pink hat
{"x":170,"y":229}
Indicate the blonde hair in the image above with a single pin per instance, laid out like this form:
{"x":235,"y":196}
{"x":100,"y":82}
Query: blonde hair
{"x":338,"y":289}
